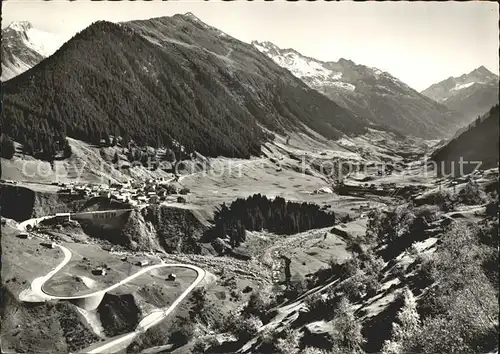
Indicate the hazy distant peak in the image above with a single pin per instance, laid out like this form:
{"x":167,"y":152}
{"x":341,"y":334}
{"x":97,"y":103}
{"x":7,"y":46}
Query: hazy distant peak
{"x":482,"y":70}
{"x":471,"y":94}
{"x":482,"y":74}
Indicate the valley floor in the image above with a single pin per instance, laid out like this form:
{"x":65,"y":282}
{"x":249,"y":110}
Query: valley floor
{"x":358,"y":270}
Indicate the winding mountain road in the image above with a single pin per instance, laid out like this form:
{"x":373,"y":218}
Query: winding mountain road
{"x":37,"y":294}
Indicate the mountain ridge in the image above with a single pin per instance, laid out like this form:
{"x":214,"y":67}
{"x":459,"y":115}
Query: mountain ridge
{"x":473,"y":93}
{"x":369,"y":92}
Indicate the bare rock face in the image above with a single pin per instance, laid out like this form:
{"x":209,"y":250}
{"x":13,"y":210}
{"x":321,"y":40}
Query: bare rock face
{"x":163,"y":227}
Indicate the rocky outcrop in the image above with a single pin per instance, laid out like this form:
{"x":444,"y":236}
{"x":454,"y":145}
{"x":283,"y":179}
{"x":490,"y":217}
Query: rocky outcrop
{"x":119,"y":314}
{"x":163,"y":227}
{"x":20,"y":203}
{"x":177,"y":229}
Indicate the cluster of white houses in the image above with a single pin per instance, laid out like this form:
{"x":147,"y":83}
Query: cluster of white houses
{"x":150,"y":191}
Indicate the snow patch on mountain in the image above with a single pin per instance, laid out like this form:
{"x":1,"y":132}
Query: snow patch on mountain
{"x":311,"y":71}
{"x":344,"y":85}
{"x":462,"y":86}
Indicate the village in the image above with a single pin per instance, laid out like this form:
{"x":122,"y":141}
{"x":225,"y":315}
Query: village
{"x":136,"y":193}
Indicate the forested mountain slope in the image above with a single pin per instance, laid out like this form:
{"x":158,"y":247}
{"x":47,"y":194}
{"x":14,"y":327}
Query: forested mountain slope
{"x":163,"y":80}
{"x":477,"y":144}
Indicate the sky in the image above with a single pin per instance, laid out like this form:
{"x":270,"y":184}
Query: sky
{"x":420,"y":43}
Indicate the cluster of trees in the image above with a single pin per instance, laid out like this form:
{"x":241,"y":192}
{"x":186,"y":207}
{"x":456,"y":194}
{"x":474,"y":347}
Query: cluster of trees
{"x":459,"y":311}
{"x":42,"y":146}
{"x":109,"y":79}
{"x":257,"y":212}
{"x":7,"y":148}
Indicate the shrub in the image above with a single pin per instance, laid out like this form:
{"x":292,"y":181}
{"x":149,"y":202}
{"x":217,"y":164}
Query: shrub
{"x":268,"y":337}
{"x":372,"y":264}
{"x":183,"y":334}
{"x":296,"y":287}
{"x":220,"y":246}
{"x":184,"y":191}
{"x":202,"y":345}
{"x":390,"y":225}
{"x":199,"y":299}
{"x":352,"y":288}
{"x":279,"y":342}
{"x":257,"y":305}
{"x":424,"y":275}
{"x":461,"y":309}
{"x":289,"y":344}
{"x":350,"y":267}
{"x":371,"y":285}
{"x":376,"y":224}
{"x":428,"y":212}
{"x":315,"y":302}
{"x":472,"y":194}
{"x":170,"y":189}
{"x":444,"y":199}
{"x":346,"y":334}
{"x":242,"y":328}
{"x":439,"y":335}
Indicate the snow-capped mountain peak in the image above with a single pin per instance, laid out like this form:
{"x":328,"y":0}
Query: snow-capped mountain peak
{"x":445,"y":89}
{"x":24,"y":46}
{"x":472,"y":93}
{"x":369,"y":92}
{"x":313,"y":72}
{"x":266,"y":47}
{"x":20,"y":26}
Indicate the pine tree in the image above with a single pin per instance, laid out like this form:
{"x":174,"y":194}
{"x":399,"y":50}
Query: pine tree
{"x":406,"y":327}
{"x":7,"y":147}
{"x":346,"y":334}
{"x":105,"y":136}
{"x":67,"y":150}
